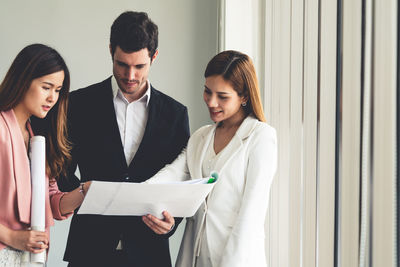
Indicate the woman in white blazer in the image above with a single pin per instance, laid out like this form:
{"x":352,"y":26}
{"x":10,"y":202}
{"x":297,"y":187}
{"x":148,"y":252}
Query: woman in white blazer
{"x":228,"y":229}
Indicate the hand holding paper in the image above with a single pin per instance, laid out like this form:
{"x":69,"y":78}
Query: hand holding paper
{"x":29,"y":240}
{"x":180,"y":199}
{"x":158,"y":226}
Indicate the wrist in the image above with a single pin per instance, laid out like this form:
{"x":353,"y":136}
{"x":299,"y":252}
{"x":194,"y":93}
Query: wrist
{"x":8,"y":236}
{"x":172,"y":228}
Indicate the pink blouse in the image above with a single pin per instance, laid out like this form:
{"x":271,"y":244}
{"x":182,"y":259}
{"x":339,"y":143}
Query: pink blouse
{"x":15,"y":183}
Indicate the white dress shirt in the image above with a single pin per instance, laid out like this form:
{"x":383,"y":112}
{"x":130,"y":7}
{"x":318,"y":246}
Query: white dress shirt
{"x":132,"y":119}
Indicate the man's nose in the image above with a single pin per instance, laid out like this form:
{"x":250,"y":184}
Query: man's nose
{"x":130,"y":74}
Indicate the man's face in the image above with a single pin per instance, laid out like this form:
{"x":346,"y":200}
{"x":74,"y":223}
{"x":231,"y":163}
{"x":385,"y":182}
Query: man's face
{"x":131,"y":71}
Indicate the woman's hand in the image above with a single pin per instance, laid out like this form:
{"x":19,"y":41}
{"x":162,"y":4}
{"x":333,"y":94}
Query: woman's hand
{"x":158,"y":226}
{"x":27,"y":240}
{"x":71,"y":200}
{"x":86,"y":187}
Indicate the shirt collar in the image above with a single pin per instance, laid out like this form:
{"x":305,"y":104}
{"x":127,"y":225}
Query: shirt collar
{"x":116,"y":91}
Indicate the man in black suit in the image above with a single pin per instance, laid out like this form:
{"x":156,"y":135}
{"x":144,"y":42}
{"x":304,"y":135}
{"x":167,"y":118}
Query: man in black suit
{"x":123,"y":130}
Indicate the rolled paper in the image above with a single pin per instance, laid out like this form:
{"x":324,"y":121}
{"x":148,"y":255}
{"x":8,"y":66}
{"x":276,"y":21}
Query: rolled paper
{"x":38,"y":182}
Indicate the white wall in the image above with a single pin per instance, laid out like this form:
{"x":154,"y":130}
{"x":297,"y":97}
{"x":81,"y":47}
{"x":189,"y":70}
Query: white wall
{"x":80,"y":30}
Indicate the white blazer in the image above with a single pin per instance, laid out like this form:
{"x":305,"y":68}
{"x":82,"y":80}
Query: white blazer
{"x":236,"y":207}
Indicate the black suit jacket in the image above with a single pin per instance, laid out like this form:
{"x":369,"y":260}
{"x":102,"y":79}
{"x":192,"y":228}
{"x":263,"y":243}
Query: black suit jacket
{"x":98,"y":152}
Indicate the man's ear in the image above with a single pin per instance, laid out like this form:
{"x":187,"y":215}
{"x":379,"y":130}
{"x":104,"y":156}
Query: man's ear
{"x":154,"y":56}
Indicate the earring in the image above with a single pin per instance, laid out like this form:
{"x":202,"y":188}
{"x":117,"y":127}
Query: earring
{"x":244,"y":104}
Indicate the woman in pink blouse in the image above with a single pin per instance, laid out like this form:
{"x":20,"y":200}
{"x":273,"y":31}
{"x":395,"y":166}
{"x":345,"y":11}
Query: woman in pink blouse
{"x":37,"y":84}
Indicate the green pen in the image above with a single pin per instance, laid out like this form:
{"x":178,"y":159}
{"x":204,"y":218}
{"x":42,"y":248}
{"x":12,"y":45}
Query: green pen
{"x":213,"y":179}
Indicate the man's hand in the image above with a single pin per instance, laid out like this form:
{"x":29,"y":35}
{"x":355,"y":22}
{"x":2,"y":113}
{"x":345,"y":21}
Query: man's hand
{"x":158,"y":226}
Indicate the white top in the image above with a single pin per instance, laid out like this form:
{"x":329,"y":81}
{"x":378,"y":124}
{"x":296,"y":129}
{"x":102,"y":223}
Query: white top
{"x":132,"y":119}
{"x":210,"y":159}
{"x":208,"y":166}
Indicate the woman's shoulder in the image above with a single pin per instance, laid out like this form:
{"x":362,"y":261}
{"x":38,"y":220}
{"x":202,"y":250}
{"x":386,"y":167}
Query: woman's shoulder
{"x":253,"y":127}
{"x":262,"y":134}
{"x":263,"y":140}
{"x":4,"y":127}
{"x":202,"y":130}
{"x":264,"y":128}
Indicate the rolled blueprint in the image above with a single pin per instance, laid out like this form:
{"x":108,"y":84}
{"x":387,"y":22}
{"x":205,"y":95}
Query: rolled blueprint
{"x":38,"y":181}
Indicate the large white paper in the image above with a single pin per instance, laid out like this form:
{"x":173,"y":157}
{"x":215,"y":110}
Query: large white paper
{"x":38,"y":181}
{"x":137,"y":199}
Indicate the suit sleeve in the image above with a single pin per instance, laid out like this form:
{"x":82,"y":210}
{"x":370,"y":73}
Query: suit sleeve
{"x":262,"y":161}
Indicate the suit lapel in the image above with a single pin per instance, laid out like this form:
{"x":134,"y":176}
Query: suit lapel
{"x":21,"y":166}
{"x":200,"y":152}
{"x":236,"y":143}
{"x":108,"y":117}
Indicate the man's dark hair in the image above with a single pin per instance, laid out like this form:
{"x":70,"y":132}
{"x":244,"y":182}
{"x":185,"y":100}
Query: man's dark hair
{"x":133,"y":31}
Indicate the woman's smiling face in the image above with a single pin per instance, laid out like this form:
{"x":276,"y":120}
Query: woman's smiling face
{"x":222,"y":100}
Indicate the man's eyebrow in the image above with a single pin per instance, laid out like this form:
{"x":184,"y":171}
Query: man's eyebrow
{"x":121,"y":62}
{"x":125,"y":64}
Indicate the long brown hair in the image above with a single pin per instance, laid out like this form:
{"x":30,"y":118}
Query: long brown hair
{"x":32,"y":62}
{"x":238,"y":69}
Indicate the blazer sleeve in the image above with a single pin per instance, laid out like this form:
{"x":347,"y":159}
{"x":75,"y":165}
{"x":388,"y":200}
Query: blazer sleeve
{"x":262,"y":161}
{"x":55,"y":199}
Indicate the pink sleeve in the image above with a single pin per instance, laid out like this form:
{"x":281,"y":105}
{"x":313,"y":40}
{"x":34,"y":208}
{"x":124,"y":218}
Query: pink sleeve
{"x":55,"y":198}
